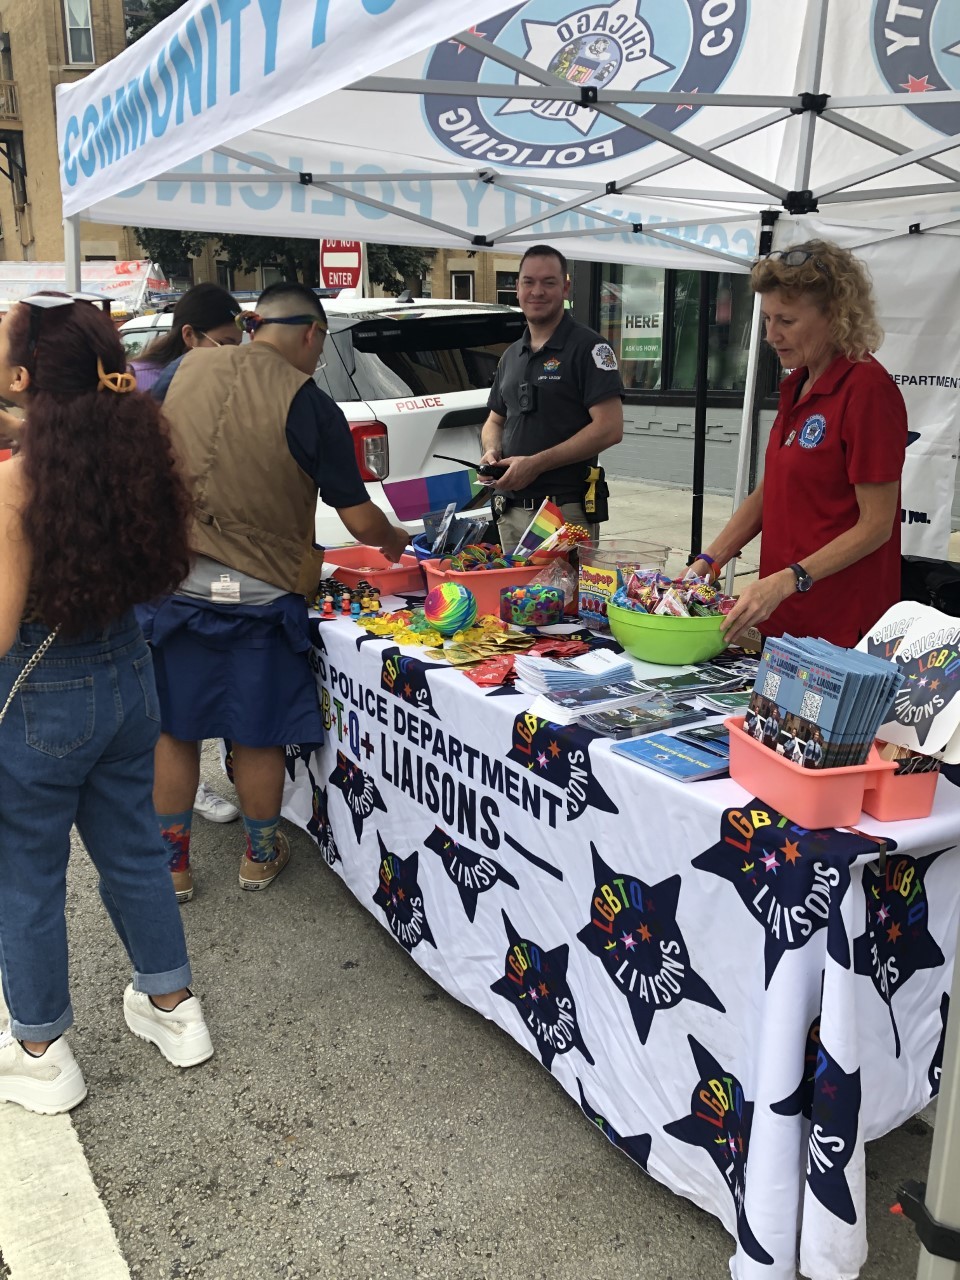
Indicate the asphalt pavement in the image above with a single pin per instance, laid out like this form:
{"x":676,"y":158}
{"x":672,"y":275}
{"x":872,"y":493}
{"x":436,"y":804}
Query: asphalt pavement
{"x":356,"y":1121}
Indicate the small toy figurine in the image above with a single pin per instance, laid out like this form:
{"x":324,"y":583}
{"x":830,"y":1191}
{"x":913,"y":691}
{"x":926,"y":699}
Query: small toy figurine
{"x":355,"y":609}
{"x":345,"y":604}
{"x":327,"y":607}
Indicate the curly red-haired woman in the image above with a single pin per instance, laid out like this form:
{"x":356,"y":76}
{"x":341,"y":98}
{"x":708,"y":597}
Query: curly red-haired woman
{"x":92,"y":521}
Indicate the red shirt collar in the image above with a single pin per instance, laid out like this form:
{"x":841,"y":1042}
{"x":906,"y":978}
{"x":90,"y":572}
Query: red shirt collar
{"x":825,"y":385}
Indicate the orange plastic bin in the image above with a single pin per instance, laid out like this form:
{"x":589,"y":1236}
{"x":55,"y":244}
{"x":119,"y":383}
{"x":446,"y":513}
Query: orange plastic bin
{"x":895,"y":797}
{"x":353,"y":565}
{"x":484,"y":583}
{"x":808,"y":797}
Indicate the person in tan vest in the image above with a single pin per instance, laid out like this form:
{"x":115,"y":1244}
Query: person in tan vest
{"x":257,"y":441}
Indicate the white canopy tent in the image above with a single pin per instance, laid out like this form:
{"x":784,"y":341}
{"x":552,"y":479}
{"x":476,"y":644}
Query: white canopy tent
{"x":654,"y":133}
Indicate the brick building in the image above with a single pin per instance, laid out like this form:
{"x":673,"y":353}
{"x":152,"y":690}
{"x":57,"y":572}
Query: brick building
{"x":44,"y":43}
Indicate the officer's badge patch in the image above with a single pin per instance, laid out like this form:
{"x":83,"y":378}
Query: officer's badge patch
{"x":604,"y":358}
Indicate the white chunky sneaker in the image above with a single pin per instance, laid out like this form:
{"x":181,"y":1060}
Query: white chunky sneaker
{"x":181,"y":1035}
{"x":48,"y":1085}
{"x":213,"y":807}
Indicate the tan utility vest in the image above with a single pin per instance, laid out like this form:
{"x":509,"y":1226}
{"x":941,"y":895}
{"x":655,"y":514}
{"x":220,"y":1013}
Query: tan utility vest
{"x":254,"y":507}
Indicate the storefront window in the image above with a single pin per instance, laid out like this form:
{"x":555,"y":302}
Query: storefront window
{"x":631,"y":320}
{"x":649,"y":317}
{"x":731,"y":307}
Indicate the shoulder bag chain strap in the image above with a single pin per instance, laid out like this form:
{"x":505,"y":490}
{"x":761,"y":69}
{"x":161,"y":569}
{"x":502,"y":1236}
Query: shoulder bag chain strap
{"x":31,"y":663}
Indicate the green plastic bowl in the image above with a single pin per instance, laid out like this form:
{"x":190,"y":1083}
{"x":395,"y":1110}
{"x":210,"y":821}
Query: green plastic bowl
{"x":673,"y":642}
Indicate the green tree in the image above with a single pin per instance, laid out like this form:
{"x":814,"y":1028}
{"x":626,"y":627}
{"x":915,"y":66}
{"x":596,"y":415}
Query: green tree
{"x":297,"y":259}
{"x":397,"y":266}
{"x":144,"y":16}
{"x":169,"y":247}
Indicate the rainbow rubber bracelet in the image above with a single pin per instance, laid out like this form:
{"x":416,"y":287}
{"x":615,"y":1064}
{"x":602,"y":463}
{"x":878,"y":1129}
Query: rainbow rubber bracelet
{"x":702,"y":555}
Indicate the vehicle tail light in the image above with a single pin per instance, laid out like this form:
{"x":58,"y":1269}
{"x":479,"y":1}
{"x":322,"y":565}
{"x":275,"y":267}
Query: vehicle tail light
{"x":372,"y":449}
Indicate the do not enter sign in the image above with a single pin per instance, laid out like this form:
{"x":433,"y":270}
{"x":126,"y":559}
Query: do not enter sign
{"x":340,"y":263}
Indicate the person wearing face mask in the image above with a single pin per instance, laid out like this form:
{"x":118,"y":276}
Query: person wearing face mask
{"x":828,"y":505}
{"x":203,"y":319}
{"x":257,"y":440}
{"x":555,"y":404}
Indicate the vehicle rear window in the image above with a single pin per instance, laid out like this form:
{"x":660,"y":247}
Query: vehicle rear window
{"x":137,"y":340}
{"x":385,"y":358}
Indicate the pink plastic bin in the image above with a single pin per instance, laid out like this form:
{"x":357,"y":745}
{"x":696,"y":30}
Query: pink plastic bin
{"x":484,"y":583}
{"x":353,"y":564}
{"x":894,"y":797}
{"x":808,"y":797}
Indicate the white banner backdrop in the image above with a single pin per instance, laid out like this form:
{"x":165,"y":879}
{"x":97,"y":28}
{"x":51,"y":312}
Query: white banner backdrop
{"x":917,"y":304}
{"x":719,"y":990}
{"x":196,"y":78}
{"x":544,"y":109}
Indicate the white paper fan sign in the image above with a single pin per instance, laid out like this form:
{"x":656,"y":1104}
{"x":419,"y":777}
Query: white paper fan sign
{"x":925,"y":644}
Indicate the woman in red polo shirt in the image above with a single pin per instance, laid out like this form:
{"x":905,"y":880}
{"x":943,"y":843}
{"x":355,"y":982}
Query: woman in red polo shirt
{"x":829,"y":501}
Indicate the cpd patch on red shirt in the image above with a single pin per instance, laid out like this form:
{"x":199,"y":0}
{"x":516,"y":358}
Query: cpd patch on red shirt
{"x":850,"y":429}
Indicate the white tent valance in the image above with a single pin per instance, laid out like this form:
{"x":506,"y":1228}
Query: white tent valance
{"x":650,"y":133}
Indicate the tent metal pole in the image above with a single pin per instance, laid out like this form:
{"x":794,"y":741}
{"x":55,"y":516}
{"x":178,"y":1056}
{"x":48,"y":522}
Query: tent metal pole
{"x":813,"y":39}
{"x":768,"y":220}
{"x":741,"y":482}
{"x":888,"y":166}
{"x":888,"y":144}
{"x":558,"y":91}
{"x":700,"y":412}
{"x":690,"y":149}
{"x":888,"y":193}
{"x":932,"y":98}
{"x":942,"y":1198}
{"x":71,"y":252}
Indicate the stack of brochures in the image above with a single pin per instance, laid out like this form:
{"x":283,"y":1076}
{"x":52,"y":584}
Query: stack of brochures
{"x":557,"y":675}
{"x":644,"y":715}
{"x":707,"y":678}
{"x":817,"y":704}
{"x":564,"y":708}
{"x":687,"y":755}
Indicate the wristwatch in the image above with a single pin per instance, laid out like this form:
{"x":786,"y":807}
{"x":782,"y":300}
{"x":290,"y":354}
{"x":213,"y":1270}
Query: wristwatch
{"x":804,"y":581}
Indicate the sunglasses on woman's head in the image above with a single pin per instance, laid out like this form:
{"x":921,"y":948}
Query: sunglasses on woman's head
{"x":41,"y":303}
{"x":795,"y":258}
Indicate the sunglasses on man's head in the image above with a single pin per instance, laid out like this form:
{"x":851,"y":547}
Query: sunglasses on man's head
{"x":250,"y":321}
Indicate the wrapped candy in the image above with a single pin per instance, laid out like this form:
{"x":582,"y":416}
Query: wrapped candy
{"x":671,"y":603}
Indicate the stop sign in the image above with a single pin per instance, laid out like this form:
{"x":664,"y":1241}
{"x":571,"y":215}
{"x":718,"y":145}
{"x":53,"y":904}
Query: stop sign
{"x":340,"y":263}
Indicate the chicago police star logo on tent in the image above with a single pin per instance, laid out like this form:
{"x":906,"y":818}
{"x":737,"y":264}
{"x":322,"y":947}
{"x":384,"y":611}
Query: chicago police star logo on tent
{"x":619,"y":45}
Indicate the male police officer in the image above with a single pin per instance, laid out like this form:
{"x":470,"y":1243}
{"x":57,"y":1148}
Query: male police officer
{"x":556,"y":402}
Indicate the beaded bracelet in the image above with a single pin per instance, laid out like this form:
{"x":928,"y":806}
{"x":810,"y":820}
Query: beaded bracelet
{"x":702,"y":555}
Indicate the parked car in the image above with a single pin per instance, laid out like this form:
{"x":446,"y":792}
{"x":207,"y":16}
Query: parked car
{"x":412,"y":379}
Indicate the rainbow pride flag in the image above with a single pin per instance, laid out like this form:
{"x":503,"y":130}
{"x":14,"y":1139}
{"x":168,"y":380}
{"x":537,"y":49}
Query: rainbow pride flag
{"x":547,"y":522}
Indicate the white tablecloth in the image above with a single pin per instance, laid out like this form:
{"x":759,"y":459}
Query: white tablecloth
{"x":739,"y":1003}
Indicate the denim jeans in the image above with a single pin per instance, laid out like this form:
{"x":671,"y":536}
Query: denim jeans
{"x":77,"y":747}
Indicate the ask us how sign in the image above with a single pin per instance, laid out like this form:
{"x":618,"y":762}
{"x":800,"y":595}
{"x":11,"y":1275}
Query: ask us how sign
{"x":641,"y":314}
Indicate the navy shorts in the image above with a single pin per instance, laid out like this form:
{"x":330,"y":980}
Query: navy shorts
{"x":234,"y":671}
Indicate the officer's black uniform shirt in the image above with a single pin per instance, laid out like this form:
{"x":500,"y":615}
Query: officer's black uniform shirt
{"x":574,"y":370}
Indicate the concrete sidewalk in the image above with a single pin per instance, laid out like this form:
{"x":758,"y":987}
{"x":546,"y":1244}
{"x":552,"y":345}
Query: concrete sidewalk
{"x":661,"y":515}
